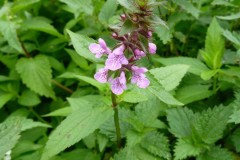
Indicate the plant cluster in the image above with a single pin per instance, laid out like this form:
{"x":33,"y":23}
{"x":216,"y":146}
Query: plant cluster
{"x":159,"y":82}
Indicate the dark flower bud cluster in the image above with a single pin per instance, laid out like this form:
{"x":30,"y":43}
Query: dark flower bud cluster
{"x":134,"y":36}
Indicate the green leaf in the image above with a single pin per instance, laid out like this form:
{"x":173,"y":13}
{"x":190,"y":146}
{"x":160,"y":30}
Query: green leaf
{"x":41,"y":24}
{"x":9,"y":133}
{"x":80,"y":44}
{"x":214,"y":46}
{"x":29,"y":124}
{"x":164,"y":96}
{"x":185,"y":149}
{"x":86,"y":79}
{"x":127,"y":27}
{"x":8,"y":30}
{"x":188,"y":6}
{"x":233,"y":37}
{"x":29,"y":98}
{"x":129,"y":4}
{"x":211,"y":123}
{"x":133,"y":97}
{"x":79,"y":60}
{"x":107,"y":11}
{"x":4,"y":98}
{"x":191,"y":93}
{"x":180,"y":121}
{"x":36,"y":74}
{"x":235,"y":116}
{"x":196,"y":66}
{"x":77,"y":7}
{"x":76,"y":126}
{"x":235,"y":138}
{"x":207,"y":75}
{"x":230,"y":17}
{"x":157,"y":144}
{"x":23,"y":5}
{"x":163,"y":33}
{"x":59,"y":112}
{"x":216,"y":153}
{"x":170,"y":76}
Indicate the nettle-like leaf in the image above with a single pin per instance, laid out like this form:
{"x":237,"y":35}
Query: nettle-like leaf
{"x":235,"y":116}
{"x":157,"y":144}
{"x":9,"y":133}
{"x":8,"y":30}
{"x":107,"y":11}
{"x":180,"y":121}
{"x":216,"y":153}
{"x":80,"y":44}
{"x":184,"y":149}
{"x":188,"y":6}
{"x":235,"y":138}
{"x":76,"y":126}
{"x":170,"y":76}
{"x":214,"y":46}
{"x":196,"y":66}
{"x":36,"y":74}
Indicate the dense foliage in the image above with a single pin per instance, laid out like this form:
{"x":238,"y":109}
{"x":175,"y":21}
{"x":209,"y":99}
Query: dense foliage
{"x":52,"y":108}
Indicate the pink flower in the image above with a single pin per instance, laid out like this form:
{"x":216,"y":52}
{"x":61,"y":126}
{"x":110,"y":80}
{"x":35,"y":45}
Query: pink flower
{"x":101,"y":75}
{"x":116,"y":59}
{"x":139,"y":78}
{"x":118,"y":85}
{"x":99,"y":49}
{"x":152,"y":48}
{"x":138,"y":53}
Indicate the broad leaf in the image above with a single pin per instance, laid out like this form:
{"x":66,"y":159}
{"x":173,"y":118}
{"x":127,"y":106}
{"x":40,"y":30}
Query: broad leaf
{"x":29,"y":98}
{"x":163,"y":33}
{"x":216,"y":153}
{"x":170,"y":76}
{"x":188,"y":6}
{"x":81,"y":43}
{"x":36,"y":74}
{"x":76,"y":126}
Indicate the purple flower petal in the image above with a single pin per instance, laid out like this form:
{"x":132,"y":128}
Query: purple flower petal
{"x":138,"y":53}
{"x":140,"y":80}
{"x":152,"y":48}
{"x":114,"y":62}
{"x":119,"y":50}
{"x":101,"y":75}
{"x":139,"y":70}
{"x":99,"y":49}
{"x":118,"y":85}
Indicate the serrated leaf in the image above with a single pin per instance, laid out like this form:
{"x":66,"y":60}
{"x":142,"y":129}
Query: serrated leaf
{"x":40,"y":24}
{"x":36,"y":74}
{"x":188,"y":6}
{"x":102,"y":141}
{"x":163,"y":33}
{"x":180,"y":121}
{"x":211,"y":123}
{"x":196,"y":66}
{"x":133,"y":138}
{"x":170,"y":76}
{"x":107,"y":11}
{"x":80,"y":44}
{"x":164,"y":96}
{"x":76,"y":126}
{"x":133,"y":97}
{"x":185,"y":149}
{"x":157,"y":144}
{"x":8,"y":30}
{"x":191,"y":93}
{"x":216,"y":153}
{"x":9,"y":133}
{"x":235,"y":138}
{"x":214,"y":46}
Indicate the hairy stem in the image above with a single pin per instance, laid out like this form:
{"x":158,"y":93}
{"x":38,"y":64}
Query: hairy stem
{"x":116,"y":120}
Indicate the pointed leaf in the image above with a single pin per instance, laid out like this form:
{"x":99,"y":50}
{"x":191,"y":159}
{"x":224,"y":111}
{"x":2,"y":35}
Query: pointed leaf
{"x":107,"y":11}
{"x":188,"y":6}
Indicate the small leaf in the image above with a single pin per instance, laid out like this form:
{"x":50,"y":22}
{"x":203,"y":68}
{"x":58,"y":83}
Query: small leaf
{"x":209,"y":74}
{"x":76,"y":126}
{"x":36,"y":74}
{"x":80,"y":44}
{"x":170,"y":76}
{"x":29,"y":98}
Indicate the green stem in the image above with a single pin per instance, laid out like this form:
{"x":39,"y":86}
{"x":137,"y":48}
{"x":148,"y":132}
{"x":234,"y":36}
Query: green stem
{"x":116,"y":120}
{"x":38,"y":117}
{"x":62,"y":86}
{"x":215,"y":83}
